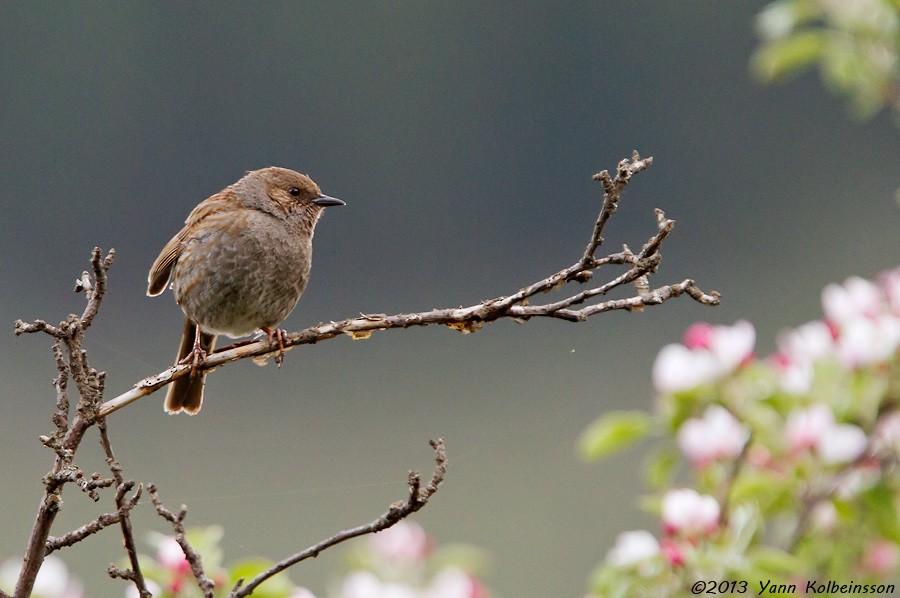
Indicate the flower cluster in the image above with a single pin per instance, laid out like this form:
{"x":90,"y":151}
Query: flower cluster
{"x":794,"y":456}
{"x":53,"y":579}
{"x":400,"y":562}
{"x":853,"y":43}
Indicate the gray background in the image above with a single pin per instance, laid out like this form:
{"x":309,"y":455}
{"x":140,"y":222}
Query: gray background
{"x":463,"y":138}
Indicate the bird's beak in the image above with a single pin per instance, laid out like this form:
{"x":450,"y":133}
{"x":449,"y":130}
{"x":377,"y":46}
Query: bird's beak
{"x":325,"y":201}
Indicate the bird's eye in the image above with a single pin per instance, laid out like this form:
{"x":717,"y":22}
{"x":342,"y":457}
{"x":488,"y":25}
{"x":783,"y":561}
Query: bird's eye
{"x":294,"y":191}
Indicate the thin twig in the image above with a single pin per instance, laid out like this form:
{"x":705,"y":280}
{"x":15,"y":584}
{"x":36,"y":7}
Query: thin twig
{"x":102,"y":521}
{"x":124,"y":487}
{"x":418,"y":498}
{"x":206,"y":585}
{"x":71,"y":364}
{"x":472,"y":318}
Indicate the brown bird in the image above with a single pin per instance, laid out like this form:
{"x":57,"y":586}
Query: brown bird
{"x":239,"y":265}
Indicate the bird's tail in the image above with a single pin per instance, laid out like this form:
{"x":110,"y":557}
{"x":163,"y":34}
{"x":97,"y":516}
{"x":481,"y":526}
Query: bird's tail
{"x":186,"y":393}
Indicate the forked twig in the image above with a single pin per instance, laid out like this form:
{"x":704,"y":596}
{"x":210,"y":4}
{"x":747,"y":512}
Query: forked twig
{"x":418,"y":498}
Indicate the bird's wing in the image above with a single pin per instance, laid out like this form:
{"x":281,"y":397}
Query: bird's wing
{"x":161,"y":270}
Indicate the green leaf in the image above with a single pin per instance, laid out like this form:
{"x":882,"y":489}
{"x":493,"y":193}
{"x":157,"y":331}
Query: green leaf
{"x":757,"y":487}
{"x":279,"y":586}
{"x":207,"y":541}
{"x":660,"y":468}
{"x":613,"y":432}
{"x":775,"y":561}
{"x":882,"y":511}
{"x":787,"y":56}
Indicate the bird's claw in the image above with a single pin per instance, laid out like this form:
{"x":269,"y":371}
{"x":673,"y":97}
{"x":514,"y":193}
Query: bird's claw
{"x":277,"y":334}
{"x":196,"y":357}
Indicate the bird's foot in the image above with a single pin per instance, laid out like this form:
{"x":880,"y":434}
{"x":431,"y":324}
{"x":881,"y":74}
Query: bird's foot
{"x":195,"y":358}
{"x":277,"y":334}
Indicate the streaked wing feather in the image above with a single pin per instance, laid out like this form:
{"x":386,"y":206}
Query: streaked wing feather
{"x":161,"y":271}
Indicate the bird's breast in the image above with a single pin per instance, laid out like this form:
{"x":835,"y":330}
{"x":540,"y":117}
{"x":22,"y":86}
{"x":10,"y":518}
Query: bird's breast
{"x":242,"y":273}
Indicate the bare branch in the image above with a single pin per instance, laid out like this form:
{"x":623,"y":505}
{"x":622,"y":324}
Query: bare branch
{"x":97,"y":289}
{"x":69,"y":433}
{"x":612,"y":191}
{"x":37,"y":326}
{"x":102,"y":521}
{"x":471,"y":319}
{"x":61,"y":417}
{"x":205,"y":584}
{"x":418,"y":498}
{"x":123,"y":510}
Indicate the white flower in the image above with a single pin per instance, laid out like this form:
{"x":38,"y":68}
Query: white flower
{"x":364,"y":584}
{"x":810,"y":342}
{"x":302,"y":593}
{"x":452,"y":582}
{"x":131,"y":590}
{"x":775,"y":21}
{"x":52,"y":581}
{"x":678,"y":368}
{"x":856,"y":298}
{"x":864,"y":341}
{"x":806,"y":427}
{"x":732,"y":345}
{"x":689,"y":513}
{"x":404,"y":543}
{"x":815,"y":428}
{"x":170,"y":555}
{"x":844,"y":443}
{"x":824,"y":516}
{"x":713,"y":352}
{"x":795,"y":376}
{"x":632,"y":548}
{"x":717,"y":435}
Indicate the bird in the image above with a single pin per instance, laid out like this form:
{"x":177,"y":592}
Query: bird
{"x":239,"y":265}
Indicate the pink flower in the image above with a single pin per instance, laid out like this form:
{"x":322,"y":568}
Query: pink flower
{"x":718,"y":435}
{"x":882,"y":558}
{"x":404,"y":543}
{"x":689,"y":513}
{"x":673,"y":552}
{"x":170,"y":555}
{"x":795,"y":375}
{"x":864,"y":341}
{"x":452,"y":582}
{"x":810,"y":342}
{"x":678,"y":368}
{"x":709,"y":353}
{"x":698,"y":336}
{"x":815,"y":428}
{"x":732,"y":345}
{"x":807,"y":427}
{"x":856,"y":298}
{"x":632,"y":548}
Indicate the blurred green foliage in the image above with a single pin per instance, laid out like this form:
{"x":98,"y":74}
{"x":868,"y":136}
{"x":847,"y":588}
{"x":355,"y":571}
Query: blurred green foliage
{"x":853,"y":42}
